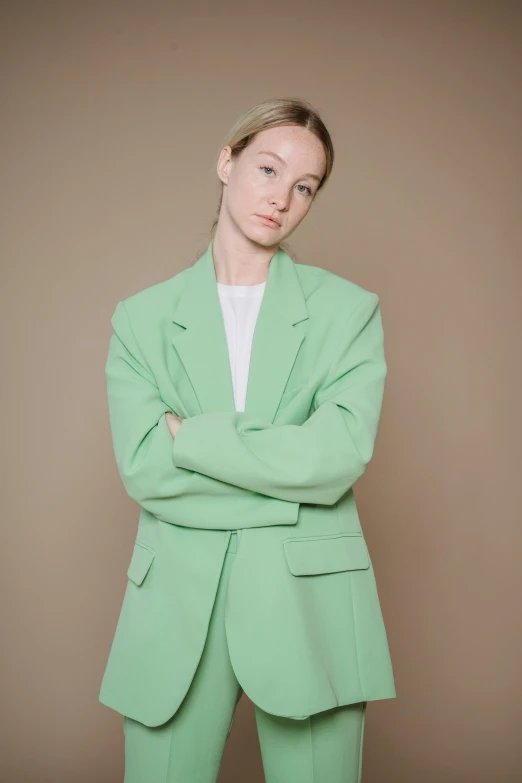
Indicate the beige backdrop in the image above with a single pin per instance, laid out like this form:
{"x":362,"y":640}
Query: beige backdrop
{"x":113,"y":116}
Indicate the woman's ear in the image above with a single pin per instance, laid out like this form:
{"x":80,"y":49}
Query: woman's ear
{"x":224,"y":164}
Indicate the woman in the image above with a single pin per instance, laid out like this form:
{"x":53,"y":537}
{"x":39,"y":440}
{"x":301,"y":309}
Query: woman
{"x":250,"y":571}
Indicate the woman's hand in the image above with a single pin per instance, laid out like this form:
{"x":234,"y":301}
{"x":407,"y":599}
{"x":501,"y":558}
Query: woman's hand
{"x":173,"y":423}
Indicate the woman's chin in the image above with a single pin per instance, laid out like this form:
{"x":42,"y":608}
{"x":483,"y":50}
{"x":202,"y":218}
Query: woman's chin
{"x":265,"y":238}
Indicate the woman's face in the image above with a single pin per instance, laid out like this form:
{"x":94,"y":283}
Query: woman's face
{"x":277,"y":175}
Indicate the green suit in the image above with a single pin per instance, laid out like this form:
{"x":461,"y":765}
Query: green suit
{"x":303,"y":618}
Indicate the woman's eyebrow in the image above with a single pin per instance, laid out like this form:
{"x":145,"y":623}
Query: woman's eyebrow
{"x":280,"y":159}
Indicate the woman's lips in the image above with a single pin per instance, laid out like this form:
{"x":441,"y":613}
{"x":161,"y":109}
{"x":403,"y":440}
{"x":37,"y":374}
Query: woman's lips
{"x":269,"y":221}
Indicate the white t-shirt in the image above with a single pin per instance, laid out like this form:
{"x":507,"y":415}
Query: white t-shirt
{"x":240,"y":306}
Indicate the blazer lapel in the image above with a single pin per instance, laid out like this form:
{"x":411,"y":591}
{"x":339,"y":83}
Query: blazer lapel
{"x":202,"y":346}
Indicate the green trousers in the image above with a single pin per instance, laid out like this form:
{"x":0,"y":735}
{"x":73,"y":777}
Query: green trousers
{"x":189,"y":748}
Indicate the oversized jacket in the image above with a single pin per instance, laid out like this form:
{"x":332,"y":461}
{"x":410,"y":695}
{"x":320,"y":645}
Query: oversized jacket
{"x":303,"y":618}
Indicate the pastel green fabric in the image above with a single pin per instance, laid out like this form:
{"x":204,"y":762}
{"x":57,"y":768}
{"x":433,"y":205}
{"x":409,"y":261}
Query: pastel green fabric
{"x":326,"y":747}
{"x":303,"y":617}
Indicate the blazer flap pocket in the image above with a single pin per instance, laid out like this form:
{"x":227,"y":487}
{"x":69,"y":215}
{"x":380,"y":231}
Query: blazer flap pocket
{"x":326,"y":554}
{"x":140,"y":563}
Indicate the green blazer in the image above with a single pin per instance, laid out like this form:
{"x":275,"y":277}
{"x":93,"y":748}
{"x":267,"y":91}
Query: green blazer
{"x":303,"y":617}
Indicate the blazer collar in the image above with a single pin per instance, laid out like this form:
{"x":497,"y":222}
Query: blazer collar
{"x":202,"y":345}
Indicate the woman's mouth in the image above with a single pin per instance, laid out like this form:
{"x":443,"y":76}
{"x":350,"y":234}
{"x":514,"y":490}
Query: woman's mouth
{"x":268,"y":221}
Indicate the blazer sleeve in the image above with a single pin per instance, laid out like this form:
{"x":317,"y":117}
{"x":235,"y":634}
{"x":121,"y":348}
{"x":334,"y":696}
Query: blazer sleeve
{"x":315,"y":462}
{"x":143,"y":449}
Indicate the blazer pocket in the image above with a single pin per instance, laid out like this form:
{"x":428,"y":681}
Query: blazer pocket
{"x":326,"y":554}
{"x":140,"y":563}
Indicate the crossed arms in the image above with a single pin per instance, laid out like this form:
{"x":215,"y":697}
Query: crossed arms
{"x":229,"y":470}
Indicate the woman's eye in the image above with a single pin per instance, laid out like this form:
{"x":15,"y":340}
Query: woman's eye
{"x":269,"y":168}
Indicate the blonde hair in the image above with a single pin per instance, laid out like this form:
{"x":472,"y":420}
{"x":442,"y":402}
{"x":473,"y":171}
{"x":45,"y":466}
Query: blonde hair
{"x":270,"y":114}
